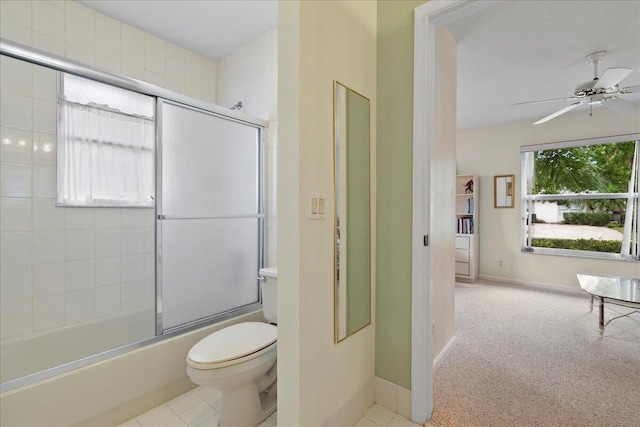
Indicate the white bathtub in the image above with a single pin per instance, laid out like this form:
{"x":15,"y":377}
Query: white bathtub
{"x":30,"y":353}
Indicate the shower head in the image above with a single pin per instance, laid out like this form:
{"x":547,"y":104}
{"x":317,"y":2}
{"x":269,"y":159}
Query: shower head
{"x":237,"y":106}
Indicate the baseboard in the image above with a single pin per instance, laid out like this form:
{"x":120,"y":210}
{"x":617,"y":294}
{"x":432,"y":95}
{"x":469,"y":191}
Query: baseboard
{"x":443,"y":354}
{"x":538,"y":285}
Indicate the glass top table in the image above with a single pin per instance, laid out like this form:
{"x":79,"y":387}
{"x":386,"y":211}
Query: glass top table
{"x":617,"y":290}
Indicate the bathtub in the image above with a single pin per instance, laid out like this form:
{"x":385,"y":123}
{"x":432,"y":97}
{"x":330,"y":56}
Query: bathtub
{"x":34,"y":352}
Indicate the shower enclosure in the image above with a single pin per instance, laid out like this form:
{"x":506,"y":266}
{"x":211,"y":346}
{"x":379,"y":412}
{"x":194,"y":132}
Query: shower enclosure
{"x":84,"y":281}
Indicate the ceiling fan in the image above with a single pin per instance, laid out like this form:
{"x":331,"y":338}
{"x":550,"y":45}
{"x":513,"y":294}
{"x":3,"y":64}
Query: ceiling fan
{"x":601,"y":90}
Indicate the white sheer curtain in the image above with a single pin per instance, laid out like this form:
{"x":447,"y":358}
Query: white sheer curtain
{"x":105,"y":156}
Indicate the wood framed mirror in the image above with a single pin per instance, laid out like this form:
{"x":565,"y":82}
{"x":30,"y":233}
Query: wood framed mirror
{"x":352,"y":232}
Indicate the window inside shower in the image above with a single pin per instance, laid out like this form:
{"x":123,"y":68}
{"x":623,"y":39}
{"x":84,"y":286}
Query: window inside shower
{"x":90,"y":274}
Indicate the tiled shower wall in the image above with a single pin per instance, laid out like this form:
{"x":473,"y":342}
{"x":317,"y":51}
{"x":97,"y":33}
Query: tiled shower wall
{"x":61,"y":266}
{"x":250,"y":75}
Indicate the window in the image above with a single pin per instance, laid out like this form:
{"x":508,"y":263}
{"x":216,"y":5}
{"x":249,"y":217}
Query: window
{"x":582,"y":198}
{"x":105,"y":145}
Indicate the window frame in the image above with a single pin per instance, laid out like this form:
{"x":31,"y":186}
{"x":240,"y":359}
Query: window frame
{"x":526,"y":199}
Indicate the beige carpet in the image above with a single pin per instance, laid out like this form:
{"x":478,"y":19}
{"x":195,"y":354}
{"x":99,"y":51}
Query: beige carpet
{"x":525,"y":357}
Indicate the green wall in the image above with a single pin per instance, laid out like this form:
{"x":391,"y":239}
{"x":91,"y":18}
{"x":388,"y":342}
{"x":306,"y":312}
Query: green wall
{"x":394,"y":187}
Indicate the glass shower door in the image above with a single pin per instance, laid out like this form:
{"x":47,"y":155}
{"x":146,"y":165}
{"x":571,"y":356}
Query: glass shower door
{"x":209,"y":215}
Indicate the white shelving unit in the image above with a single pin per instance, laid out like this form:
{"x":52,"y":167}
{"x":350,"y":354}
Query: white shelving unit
{"x":467,"y":237}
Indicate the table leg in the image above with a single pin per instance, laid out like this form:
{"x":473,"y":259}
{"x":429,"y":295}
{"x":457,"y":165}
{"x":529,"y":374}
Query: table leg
{"x":601,"y":316}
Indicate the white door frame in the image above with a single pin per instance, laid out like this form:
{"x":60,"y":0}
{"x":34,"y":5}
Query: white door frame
{"x":427,"y":18}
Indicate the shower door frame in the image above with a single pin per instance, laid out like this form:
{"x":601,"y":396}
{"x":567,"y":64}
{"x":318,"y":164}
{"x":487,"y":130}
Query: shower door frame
{"x":58,"y":63}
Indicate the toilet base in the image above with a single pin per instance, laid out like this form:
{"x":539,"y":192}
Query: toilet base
{"x":246,"y":407}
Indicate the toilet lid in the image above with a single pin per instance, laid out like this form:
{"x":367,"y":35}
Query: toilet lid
{"x":233,"y":342}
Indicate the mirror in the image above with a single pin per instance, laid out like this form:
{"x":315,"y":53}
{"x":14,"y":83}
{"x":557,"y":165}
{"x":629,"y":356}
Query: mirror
{"x":352,"y":273}
{"x":503,"y":194}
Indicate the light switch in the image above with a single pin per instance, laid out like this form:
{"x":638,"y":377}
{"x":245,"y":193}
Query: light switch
{"x":316,"y":206}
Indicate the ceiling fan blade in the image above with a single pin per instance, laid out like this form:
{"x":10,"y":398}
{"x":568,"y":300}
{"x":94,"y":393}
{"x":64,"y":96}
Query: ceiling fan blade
{"x":571,"y":98}
{"x":621,"y":106}
{"x":629,"y":89}
{"x":559,"y":112}
{"x":612,"y":77}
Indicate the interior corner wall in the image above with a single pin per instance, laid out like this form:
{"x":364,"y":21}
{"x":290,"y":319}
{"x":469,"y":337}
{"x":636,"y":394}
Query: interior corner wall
{"x":395,"y":178}
{"x":443,"y":170}
{"x":319,"y":42}
{"x":495,"y":150}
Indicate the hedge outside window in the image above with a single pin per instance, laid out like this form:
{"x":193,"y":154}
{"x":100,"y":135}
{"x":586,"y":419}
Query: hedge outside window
{"x":105,"y":145}
{"x":581,"y":198}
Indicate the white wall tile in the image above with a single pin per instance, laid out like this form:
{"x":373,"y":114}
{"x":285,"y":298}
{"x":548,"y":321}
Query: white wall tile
{"x":175,"y":66}
{"x":154,"y":78}
{"x":79,"y":275}
{"x":78,"y":9}
{"x":107,"y":300}
{"x":404,"y":402}
{"x":44,"y":116}
{"x":15,"y":249}
{"x":46,"y":216}
{"x":132,"y":218}
{"x":15,"y":180}
{"x":193,"y":91}
{"x":45,"y":83}
{"x":15,"y":317}
{"x":80,"y":306}
{"x":386,"y":394}
{"x":193,"y":73}
{"x":16,"y":12}
{"x":154,"y":59}
{"x":48,"y":19}
{"x":80,"y":31}
{"x":107,"y":217}
{"x":16,"y":111}
{"x":48,"y":43}
{"x":339,"y":419}
{"x":107,"y":271}
{"x":353,"y":411}
{"x":174,"y":49}
{"x":79,"y":218}
{"x":44,"y":182}
{"x":44,"y":149}
{"x":107,"y":242}
{"x":132,"y":268}
{"x":174,"y":85}
{"x":108,"y":63}
{"x":108,"y":41}
{"x":48,"y":246}
{"x":149,"y":240}
{"x":14,"y":32}
{"x":49,"y":279}
{"x":15,"y":214}
{"x":15,"y":283}
{"x":132,"y":241}
{"x":133,"y":71}
{"x":149,"y":266}
{"x":132,"y":31}
{"x":132,"y":50}
{"x":154,"y":41}
{"x":193,"y":57}
{"x":78,"y":53}
{"x":15,"y":145}
{"x":132,"y":296}
{"x":80,"y":244}
{"x":16,"y":76}
{"x":107,"y":21}
{"x":49,"y":311}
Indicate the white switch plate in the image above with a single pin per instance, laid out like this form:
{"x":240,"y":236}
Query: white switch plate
{"x":317,"y":204}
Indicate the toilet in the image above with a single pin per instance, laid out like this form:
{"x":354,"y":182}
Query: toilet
{"x":240,"y":361}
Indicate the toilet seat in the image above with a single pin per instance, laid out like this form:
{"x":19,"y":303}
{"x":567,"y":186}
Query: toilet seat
{"x":233,"y":345}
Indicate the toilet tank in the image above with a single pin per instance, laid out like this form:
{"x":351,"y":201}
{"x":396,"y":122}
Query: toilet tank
{"x":270,"y":293}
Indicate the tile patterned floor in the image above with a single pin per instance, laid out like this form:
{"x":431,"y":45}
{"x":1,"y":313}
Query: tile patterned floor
{"x":201,"y":408}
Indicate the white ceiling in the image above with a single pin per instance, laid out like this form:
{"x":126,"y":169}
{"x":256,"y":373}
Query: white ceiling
{"x":212,"y":28}
{"x":521,"y":51}
{"x":513,"y":52}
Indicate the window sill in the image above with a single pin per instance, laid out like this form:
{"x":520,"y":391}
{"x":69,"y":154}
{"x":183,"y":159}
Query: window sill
{"x":580,"y":254}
